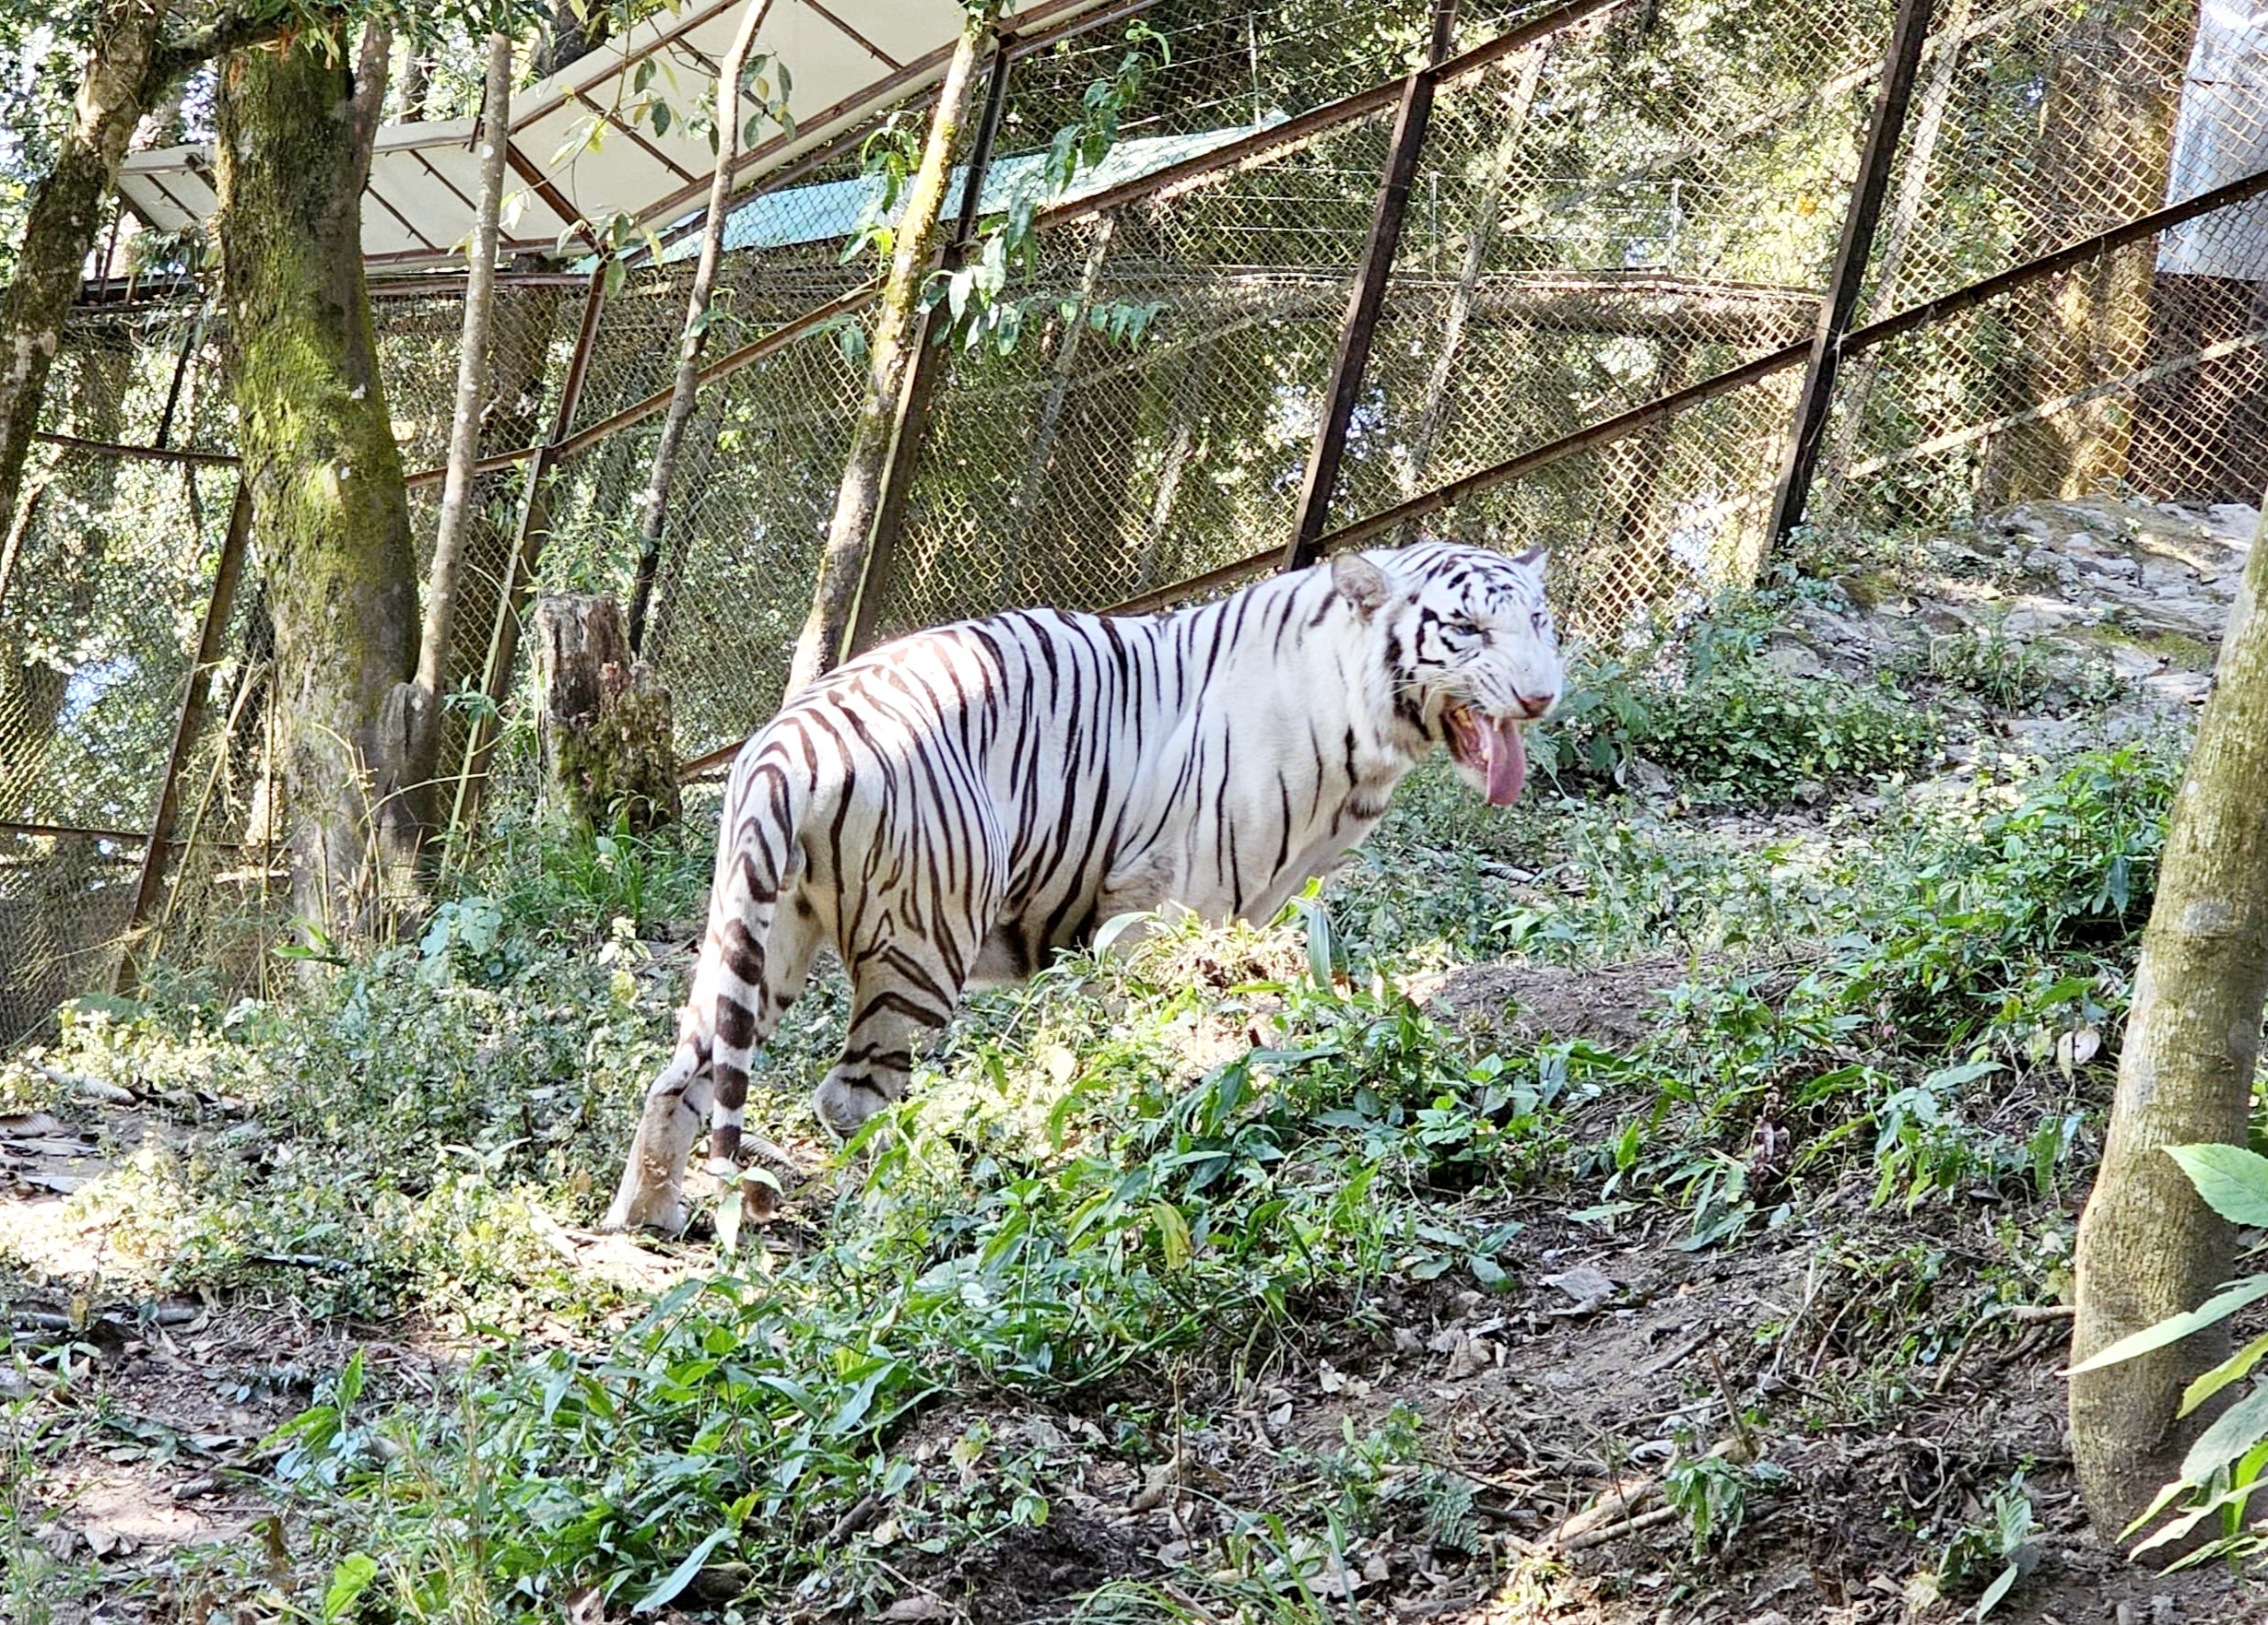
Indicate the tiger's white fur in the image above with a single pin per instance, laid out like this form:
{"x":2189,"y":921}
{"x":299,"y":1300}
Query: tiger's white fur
{"x":955,"y":806}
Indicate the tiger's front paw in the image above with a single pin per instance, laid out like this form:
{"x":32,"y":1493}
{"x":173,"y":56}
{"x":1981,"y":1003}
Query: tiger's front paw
{"x":845,"y":1101}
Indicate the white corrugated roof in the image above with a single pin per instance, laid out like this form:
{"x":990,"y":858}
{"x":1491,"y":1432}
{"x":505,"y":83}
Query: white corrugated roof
{"x":846,"y":59}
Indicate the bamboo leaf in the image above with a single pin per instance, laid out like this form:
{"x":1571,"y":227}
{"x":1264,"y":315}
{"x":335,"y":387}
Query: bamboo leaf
{"x":2176,"y":1327}
{"x":2232,"y":1180}
{"x":2236,"y":1366}
{"x":1997,"y":1590}
{"x":682,"y":1576}
{"x":2234,"y":1431}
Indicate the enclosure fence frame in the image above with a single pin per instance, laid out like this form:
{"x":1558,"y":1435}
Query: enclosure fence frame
{"x":1319,"y":486}
{"x":1814,"y":402}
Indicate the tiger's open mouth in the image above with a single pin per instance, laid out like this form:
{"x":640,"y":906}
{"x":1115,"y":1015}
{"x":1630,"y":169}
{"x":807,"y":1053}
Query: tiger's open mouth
{"x":1491,"y":747}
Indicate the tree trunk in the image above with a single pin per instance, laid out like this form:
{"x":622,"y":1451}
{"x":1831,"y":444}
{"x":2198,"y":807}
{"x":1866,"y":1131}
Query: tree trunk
{"x":331,"y":518}
{"x":842,"y":564}
{"x":1487,"y":217}
{"x":1066,"y":366}
{"x":653,"y":514}
{"x":2148,"y":1247}
{"x":604,"y":734}
{"x":66,"y":213}
{"x":424,"y":702}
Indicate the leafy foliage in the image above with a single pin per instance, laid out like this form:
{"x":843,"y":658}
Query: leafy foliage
{"x":1703,"y":704}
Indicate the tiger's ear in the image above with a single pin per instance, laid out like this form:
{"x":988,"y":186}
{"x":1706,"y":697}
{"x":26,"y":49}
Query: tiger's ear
{"x":1535,"y":557}
{"x":1360,"y":582}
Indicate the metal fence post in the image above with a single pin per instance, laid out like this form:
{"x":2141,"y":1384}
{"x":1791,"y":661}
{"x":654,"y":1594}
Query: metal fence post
{"x":1836,"y":311}
{"x":912,"y":416}
{"x":189,"y":721}
{"x":1353,"y":359}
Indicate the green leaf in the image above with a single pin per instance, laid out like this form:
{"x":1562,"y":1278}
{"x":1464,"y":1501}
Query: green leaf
{"x":728,"y":1222}
{"x":854,"y":1408}
{"x":2234,"y":1431}
{"x":348,"y":1582}
{"x":2173,"y":1329}
{"x":2232,"y":1180}
{"x":1172,"y":1233}
{"x":2236,"y":1366}
{"x":1998,"y":1589}
{"x":682,"y":1576}
{"x":350,"y":1383}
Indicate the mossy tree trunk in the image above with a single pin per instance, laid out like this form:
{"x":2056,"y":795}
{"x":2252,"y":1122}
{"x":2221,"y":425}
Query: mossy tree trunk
{"x":67,"y":213}
{"x":913,"y":253}
{"x":2148,"y":1247}
{"x":330,"y":515}
{"x":130,"y":62}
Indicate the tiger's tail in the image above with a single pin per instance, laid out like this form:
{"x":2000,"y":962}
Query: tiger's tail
{"x":749,"y":971}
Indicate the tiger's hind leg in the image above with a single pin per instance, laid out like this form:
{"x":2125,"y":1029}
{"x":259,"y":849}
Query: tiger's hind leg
{"x":897,"y":992}
{"x":651,"y":1194}
{"x":753,"y":965}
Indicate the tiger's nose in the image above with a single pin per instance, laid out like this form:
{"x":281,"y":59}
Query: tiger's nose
{"x":1535,"y":705}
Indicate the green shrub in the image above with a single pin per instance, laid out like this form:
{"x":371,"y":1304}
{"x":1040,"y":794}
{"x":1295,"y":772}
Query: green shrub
{"x":1722,"y":721}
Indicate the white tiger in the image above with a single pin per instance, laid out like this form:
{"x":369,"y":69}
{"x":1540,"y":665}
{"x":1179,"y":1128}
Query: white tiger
{"x":955,"y":806}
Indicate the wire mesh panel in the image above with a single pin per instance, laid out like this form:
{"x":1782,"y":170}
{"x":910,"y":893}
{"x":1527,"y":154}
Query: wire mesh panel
{"x":104,"y":579}
{"x":753,"y":490}
{"x":1635,"y":203}
{"x":1152,"y":417}
{"x":741,"y":550}
{"x":65,"y":898}
{"x":2036,"y":126}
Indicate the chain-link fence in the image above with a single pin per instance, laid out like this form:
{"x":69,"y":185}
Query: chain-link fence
{"x":1593,"y":329}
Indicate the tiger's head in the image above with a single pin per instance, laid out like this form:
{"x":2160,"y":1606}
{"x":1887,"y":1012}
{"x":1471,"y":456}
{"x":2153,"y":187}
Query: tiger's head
{"x":1471,"y":653}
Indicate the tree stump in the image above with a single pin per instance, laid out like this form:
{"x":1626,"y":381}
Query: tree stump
{"x":605,"y":734}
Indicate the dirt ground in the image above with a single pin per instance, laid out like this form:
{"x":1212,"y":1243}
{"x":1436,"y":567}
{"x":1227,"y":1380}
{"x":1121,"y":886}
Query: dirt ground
{"x":1893,"y":1405}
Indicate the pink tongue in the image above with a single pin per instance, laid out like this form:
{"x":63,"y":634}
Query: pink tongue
{"x":1507,"y":763}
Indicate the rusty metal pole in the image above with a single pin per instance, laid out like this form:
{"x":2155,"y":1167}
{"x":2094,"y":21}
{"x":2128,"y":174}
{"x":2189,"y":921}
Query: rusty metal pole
{"x":1816,"y":397}
{"x":531,"y":531}
{"x":1353,"y":359}
{"x":189,"y":721}
{"x":912,"y":416}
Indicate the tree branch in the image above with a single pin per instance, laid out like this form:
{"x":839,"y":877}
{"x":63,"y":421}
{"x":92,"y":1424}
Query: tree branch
{"x":231,"y":30}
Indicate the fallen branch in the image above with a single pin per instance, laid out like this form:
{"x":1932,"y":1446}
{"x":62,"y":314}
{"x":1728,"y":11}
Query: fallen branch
{"x":1654,"y":1368}
{"x":1620,"y":1499}
{"x":49,"y":1320}
{"x":93,"y":1088}
{"x":1637,"y":1525}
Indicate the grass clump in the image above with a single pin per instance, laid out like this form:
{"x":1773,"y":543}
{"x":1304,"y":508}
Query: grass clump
{"x":1706,"y":705}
